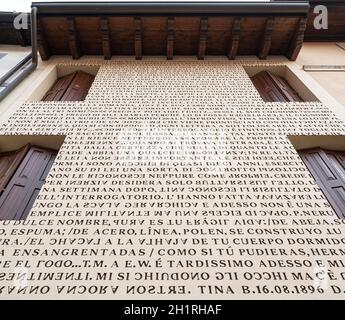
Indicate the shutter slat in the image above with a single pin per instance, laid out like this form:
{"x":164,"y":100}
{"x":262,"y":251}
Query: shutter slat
{"x":56,"y":92}
{"x":9,"y":162}
{"x":282,"y":85}
{"x":338,"y":163}
{"x":266,"y":88}
{"x":79,"y":87}
{"x":321,"y":165}
{"x":273,"y":88}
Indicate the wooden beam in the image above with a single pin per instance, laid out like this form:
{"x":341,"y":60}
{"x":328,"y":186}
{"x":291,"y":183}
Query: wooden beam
{"x":42,"y":44}
{"x":235,"y":39}
{"x":73,"y":40}
{"x":202,"y":38}
{"x":105,"y":34}
{"x":266,"y":39}
{"x":170,"y":37}
{"x":297,"y":40}
{"x":138,"y":38}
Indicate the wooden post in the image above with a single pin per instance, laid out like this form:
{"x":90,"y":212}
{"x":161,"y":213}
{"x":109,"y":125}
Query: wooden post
{"x":137,"y":38}
{"x":105,"y":35}
{"x":297,"y":40}
{"x":43,"y":47}
{"x":74,"y":46}
{"x":170,"y":37}
{"x":235,"y":39}
{"x":266,"y":39}
{"x":202,"y":38}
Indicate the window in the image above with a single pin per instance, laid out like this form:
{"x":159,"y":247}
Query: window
{"x":22,"y":174}
{"x":273,"y":88}
{"x":72,"y":87}
{"x":280,"y":83}
{"x":328,"y":169}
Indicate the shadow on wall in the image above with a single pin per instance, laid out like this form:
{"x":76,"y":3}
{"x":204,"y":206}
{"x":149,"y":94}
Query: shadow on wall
{"x":334,"y":142}
{"x":15,"y":142}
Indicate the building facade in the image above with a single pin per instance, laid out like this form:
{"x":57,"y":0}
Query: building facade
{"x":175,"y":176}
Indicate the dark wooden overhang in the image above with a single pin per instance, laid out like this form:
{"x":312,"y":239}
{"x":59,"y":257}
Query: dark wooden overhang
{"x":171,"y":28}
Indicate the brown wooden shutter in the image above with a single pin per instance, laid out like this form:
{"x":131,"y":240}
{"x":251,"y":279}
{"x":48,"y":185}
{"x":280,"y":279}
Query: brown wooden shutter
{"x":79,"y":87}
{"x":73,"y":87}
{"x":22,"y":190}
{"x":266,"y":87}
{"x":328,"y":169}
{"x":9,"y":162}
{"x":59,"y":88}
{"x":289,"y":93}
{"x":273,"y":88}
{"x":337,"y":159}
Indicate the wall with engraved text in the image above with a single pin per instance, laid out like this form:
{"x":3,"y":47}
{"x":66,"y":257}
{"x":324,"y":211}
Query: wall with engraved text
{"x":175,"y":181}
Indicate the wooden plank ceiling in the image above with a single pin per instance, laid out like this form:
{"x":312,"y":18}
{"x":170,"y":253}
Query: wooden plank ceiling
{"x":113,"y":35}
{"x":142,"y":33}
{"x":159,"y":35}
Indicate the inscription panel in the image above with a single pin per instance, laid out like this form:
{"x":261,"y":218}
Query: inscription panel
{"x":175,"y":181}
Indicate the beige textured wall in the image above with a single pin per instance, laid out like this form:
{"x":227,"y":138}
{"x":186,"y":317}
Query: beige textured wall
{"x":14,"y":54}
{"x":326,"y":54}
{"x":181,"y":165}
